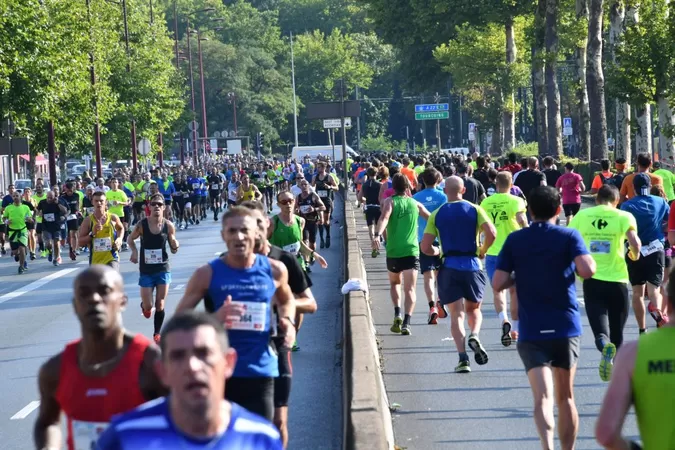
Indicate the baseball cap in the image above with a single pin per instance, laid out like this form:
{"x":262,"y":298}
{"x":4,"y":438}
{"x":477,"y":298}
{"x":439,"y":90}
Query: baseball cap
{"x":642,"y":183}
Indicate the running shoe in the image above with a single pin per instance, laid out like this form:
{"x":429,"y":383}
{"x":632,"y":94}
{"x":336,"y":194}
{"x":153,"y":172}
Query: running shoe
{"x":405,"y":329}
{"x":375,"y":253}
{"x":21,"y":270}
{"x":322,"y":244}
{"x":442,"y":313}
{"x":32,"y":256}
{"x":433,"y":315}
{"x":295,"y":347}
{"x":25,"y":265}
{"x":396,"y":326}
{"x":43,"y":254}
{"x":506,"y":334}
{"x":73,"y":256}
{"x":607,"y":361}
{"x":463,"y":367}
{"x":16,"y":258}
{"x":146,"y":313}
{"x":480,"y":354}
{"x":49,"y":256}
{"x":327,"y":241}
{"x":657,"y":315}
{"x":156,"y":337}
{"x":4,"y":252}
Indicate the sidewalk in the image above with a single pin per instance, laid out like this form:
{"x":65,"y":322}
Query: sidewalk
{"x":486,"y":409}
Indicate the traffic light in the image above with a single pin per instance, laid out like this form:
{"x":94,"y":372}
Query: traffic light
{"x":259,"y":140}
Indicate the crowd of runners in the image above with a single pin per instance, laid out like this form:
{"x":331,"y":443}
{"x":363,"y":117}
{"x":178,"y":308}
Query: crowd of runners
{"x":217,"y":380}
{"x":469,"y":223}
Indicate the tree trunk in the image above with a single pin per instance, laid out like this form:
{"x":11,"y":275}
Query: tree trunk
{"x":581,"y":90}
{"x":595,"y":81}
{"x":552,"y":91}
{"x":538,"y":79}
{"x":509,"y":118}
{"x":496,"y":143}
{"x":665,"y":130}
{"x":643,"y":138}
{"x":622,"y":144}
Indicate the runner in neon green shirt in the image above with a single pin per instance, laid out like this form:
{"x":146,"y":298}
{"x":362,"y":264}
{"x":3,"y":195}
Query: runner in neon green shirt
{"x":507,"y":213}
{"x":15,"y":216}
{"x":668,"y":180}
{"x":605,"y":229}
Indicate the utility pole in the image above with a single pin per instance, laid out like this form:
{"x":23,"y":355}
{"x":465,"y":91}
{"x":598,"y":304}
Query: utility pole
{"x":192,"y":96}
{"x":358,"y":125}
{"x":92,"y":74}
{"x":344,"y":134}
{"x":437,"y":99}
{"x":134,"y":150}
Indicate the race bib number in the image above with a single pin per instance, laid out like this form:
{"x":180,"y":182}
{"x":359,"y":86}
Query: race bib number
{"x":85,"y":434}
{"x":49,"y":217}
{"x":233,"y":195}
{"x":292,"y":248}
{"x":305,"y":209}
{"x":215,"y":187}
{"x":153,"y":256}
{"x":102,"y":244}
{"x":195,"y":185}
{"x":322,"y":193}
{"x":254,"y":317}
{"x":600,"y":247}
{"x":653,"y":247}
{"x":71,"y":217}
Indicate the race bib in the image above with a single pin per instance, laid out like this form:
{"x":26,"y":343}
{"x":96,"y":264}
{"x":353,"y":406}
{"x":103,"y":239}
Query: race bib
{"x":305,"y":209}
{"x":322,"y":193}
{"x":85,"y":434}
{"x":186,"y":195}
{"x":90,"y":210}
{"x":215,"y":187}
{"x":292,"y":248}
{"x":254,"y":317}
{"x":653,"y":247}
{"x":233,"y":195}
{"x":71,"y":217}
{"x":49,"y":217}
{"x":600,"y":247}
{"x":153,"y":256}
{"x":102,"y":244}
{"x":195,"y":185}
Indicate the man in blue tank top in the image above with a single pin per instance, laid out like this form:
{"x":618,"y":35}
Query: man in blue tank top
{"x":196,"y":361}
{"x":244,"y":283}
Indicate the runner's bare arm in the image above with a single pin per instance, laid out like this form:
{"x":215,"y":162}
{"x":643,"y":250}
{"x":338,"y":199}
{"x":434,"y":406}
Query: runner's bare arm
{"x":634,"y":244}
{"x":305,"y":303}
{"x":83,"y":235}
{"x":148,"y":381}
{"x":47,"y":430}
{"x":427,"y":245}
{"x":521,"y":218}
{"x":283,"y":297}
{"x":384,"y":218}
{"x":319,"y":206}
{"x":270,"y":228}
{"x":423,"y":211}
{"x":618,"y":400}
{"x":585,"y":266}
{"x":135,"y":234}
{"x":119,"y":228}
{"x":490,"y":234}
{"x":196,"y":288}
{"x":171,"y":237}
{"x":258,"y":194}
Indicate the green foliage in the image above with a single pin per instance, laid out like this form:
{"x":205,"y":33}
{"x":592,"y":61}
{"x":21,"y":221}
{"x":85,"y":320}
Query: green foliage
{"x":382,"y":143}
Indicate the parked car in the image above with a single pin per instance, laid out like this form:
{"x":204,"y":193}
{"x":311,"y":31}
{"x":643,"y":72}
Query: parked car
{"x":22,"y":184}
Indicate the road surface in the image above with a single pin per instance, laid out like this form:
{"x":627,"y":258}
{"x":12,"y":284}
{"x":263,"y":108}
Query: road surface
{"x":37,"y":320}
{"x":489,"y":408}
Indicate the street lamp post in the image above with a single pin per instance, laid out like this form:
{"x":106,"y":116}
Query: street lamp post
{"x":97,"y":129}
{"x":201,"y":81}
{"x":233,"y":100}
{"x":192,"y":96}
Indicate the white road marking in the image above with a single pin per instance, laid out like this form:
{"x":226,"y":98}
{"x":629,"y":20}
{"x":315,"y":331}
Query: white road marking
{"x":26,"y":410}
{"x":179,"y":286}
{"x":81,"y":263}
{"x":217,"y":253}
{"x":35,"y":284}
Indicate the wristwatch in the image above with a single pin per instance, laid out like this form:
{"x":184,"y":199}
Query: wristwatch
{"x":289,"y":319}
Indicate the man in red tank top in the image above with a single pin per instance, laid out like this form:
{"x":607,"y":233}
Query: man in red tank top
{"x":107,"y":372}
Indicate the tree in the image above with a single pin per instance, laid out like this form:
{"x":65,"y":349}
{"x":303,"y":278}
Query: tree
{"x":617,"y":15}
{"x":581,"y":91}
{"x":595,"y":82}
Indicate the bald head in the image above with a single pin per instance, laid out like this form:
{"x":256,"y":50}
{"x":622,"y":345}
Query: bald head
{"x":454,"y":187}
{"x":100,"y":272}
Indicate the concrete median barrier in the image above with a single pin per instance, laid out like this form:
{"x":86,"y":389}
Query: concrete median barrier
{"x":367,"y":421}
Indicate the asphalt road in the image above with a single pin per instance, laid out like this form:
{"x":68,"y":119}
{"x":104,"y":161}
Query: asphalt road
{"x":489,"y":408}
{"x":37,"y":320}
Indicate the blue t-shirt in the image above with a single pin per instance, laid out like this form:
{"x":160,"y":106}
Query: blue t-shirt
{"x":650,"y":212}
{"x":150,"y":426}
{"x":167,"y":191}
{"x":542,"y":257}
{"x":204,"y":190}
{"x":432,"y":199}
{"x":250,"y":337}
{"x":195,"y":185}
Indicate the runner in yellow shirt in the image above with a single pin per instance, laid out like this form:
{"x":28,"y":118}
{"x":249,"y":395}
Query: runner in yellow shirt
{"x":103,"y":232}
{"x":507,"y":213}
{"x":117,"y":200}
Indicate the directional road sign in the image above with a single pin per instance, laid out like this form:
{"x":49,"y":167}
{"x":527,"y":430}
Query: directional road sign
{"x":337,"y":123}
{"x":432,"y":115}
{"x":567,"y":126}
{"x":432,"y":107}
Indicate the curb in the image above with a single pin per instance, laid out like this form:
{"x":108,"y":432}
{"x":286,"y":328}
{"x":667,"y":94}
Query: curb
{"x":367,"y":418}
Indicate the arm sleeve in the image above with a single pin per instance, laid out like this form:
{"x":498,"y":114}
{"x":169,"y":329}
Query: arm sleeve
{"x":430,"y":228}
{"x":577,"y":245}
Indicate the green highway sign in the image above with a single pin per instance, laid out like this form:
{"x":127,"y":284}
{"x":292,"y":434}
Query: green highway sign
{"x":432,"y":115}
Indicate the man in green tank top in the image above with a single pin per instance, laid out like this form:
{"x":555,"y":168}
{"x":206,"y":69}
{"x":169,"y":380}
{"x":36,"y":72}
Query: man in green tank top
{"x":399,"y":217}
{"x":643,"y":377}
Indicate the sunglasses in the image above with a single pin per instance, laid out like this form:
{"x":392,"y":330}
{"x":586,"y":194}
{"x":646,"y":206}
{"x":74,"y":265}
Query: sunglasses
{"x":286,"y":201}
{"x":156,"y":204}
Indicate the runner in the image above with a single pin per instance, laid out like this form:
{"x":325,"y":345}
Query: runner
{"x":644,"y":162}
{"x":642,"y":380}
{"x":650,"y":212}
{"x":38,"y":196}
{"x":16,"y":216}
{"x":72,"y":218}
{"x":544,"y":258}
{"x":530,"y":177}
{"x":245,"y":283}
{"x":117,"y":201}
{"x":324,"y":185}
{"x":203,"y":194}
{"x":182,"y":201}
{"x":107,"y":372}
{"x":195,"y":184}
{"x":461,"y":279}
{"x":309,"y":206}
{"x":473,"y":189}
{"x":233,"y":190}
{"x":28,"y":200}
{"x":155,"y":275}
{"x":52,"y":214}
{"x":399,"y":217}
{"x":6,"y":201}
{"x":103,"y":232}
{"x":369,"y":197}
{"x":604,"y":177}
{"x":248,"y":191}
{"x":668,"y":180}
{"x":167,"y":189}
{"x":571,"y":185}
{"x":432,"y":199}
{"x":605,"y":229}
{"x":214,"y":182}
{"x":507,"y":213}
